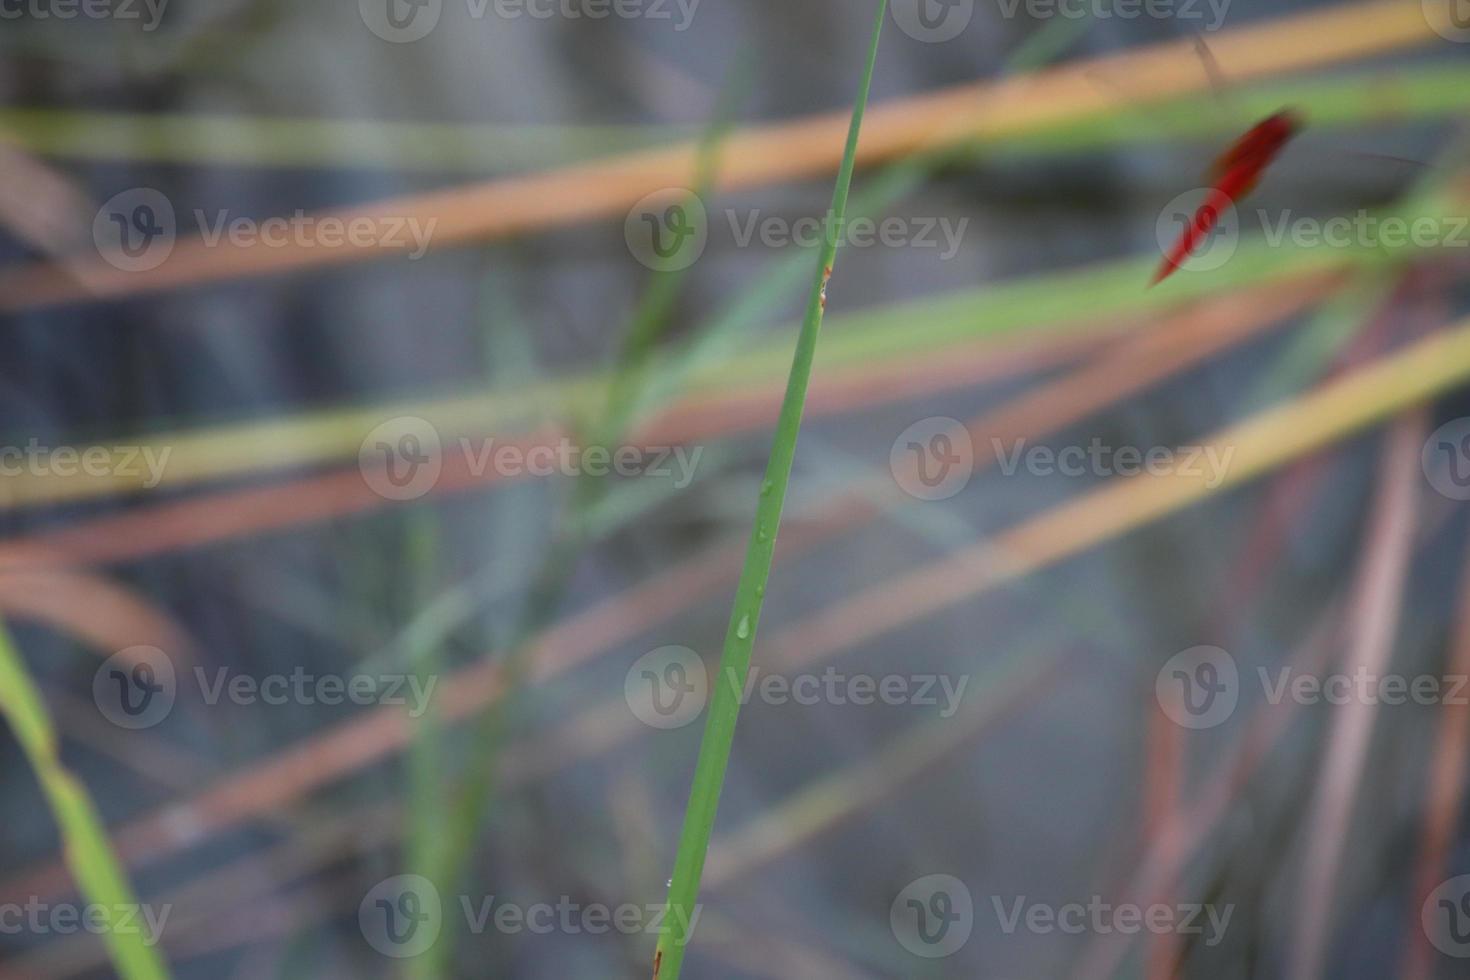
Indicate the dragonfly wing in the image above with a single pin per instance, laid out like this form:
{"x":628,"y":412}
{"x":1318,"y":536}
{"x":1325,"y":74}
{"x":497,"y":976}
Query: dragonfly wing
{"x":1205,"y":219}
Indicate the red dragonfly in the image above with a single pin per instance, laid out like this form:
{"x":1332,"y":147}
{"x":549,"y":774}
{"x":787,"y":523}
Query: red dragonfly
{"x":1234,"y":175}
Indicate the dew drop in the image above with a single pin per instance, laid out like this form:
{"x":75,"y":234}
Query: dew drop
{"x":742,"y":629}
{"x":766,"y":488}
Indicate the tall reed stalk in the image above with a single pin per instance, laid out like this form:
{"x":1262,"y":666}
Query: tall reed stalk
{"x":724,"y":707}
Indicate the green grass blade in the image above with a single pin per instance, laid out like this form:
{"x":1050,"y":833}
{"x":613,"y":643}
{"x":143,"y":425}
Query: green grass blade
{"x":88,"y":852}
{"x":724,"y":708}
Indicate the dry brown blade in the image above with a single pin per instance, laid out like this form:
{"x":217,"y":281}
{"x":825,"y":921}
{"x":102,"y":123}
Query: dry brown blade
{"x":1188,"y":339}
{"x":817,"y":808}
{"x":1291,"y":495}
{"x":1259,"y":444}
{"x":1168,"y":346}
{"x":1374,"y":615}
{"x":1170,"y":850}
{"x":203,"y":902}
{"x":209,"y":900}
{"x":322,"y":759}
{"x":168,"y":527}
{"x":597,"y":731}
{"x":161,"y":528}
{"x":775,"y":956}
{"x":152,"y":758}
{"x":44,"y":209}
{"x":734,"y":855}
{"x":99,"y":614}
{"x":1163,"y":778}
{"x":784,"y":152}
{"x":1445,"y":794}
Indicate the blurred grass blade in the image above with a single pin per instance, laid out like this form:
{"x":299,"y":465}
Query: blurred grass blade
{"x":724,"y":708}
{"x":1056,"y":101}
{"x":84,"y":839}
{"x":1372,"y":623}
{"x":466,"y":813}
